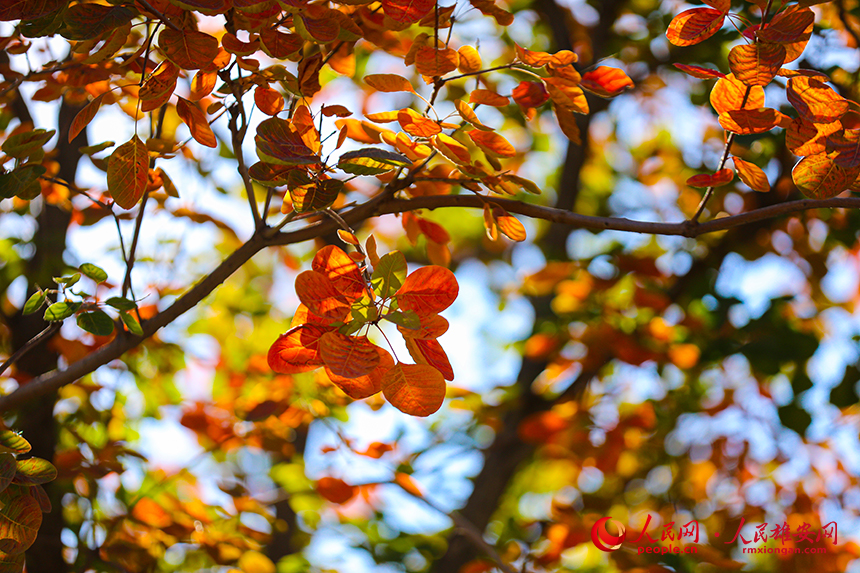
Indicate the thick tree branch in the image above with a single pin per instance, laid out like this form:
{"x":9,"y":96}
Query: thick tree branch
{"x":380,"y":206}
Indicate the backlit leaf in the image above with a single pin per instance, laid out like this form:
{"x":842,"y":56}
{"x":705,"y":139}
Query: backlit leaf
{"x":470,"y":60}
{"x":434,"y":63}
{"x":694,"y":25}
{"x":371,"y":161}
{"x":94,"y":272}
{"x":700,"y":72}
{"x":316,"y":195}
{"x":85,"y":116}
{"x":468,"y":114}
{"x":88,"y":21}
{"x":268,"y":100}
{"x":202,"y":85}
{"x":34,"y":303}
{"x":605,"y":81}
{"x":8,"y":467}
{"x":789,"y":26}
{"x":530,"y":94}
{"x":417,"y":125}
{"x":429,"y":290}
{"x":492,"y":142}
{"x":721,"y":177}
{"x":756,"y":64}
{"x":128,"y":172}
{"x":429,"y":351}
{"x":803,"y":137}
{"x":407,"y":11}
{"x":278,"y":45}
{"x":278,"y":141}
{"x":26,"y":144}
{"x":197,"y":123}
{"x":344,"y":274}
{"x":13,"y":443}
{"x":188,"y":49}
{"x":20,"y":518}
{"x":414,"y":389}
{"x":131,"y":323}
{"x":540,"y":59}
{"x":488,"y":97}
{"x":34,"y":471}
{"x":363,"y":386}
{"x":348,"y":356}
{"x":335,"y":490}
{"x":309,"y":75}
{"x":430,"y":326}
{"x":319,"y":294}
{"x":270,"y":174}
{"x":95,"y":322}
{"x":388,"y":83}
{"x":567,"y":95}
{"x":61,"y":311}
{"x":844,"y":146}
{"x":389,"y":274}
{"x":752,"y":175}
{"x":748,"y":121}
{"x":567,"y":123}
{"x":729,"y":94}
{"x":297,"y":350}
{"x":814,"y":100}
{"x":819,"y":177}
{"x":509,"y":225}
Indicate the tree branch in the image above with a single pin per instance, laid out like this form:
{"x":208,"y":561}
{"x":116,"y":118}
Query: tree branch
{"x":381,"y":205}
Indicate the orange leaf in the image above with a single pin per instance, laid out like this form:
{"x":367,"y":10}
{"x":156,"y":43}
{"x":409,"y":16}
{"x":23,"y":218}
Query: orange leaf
{"x":819,"y":177}
{"x":540,"y":59}
{"x":432,"y":326}
{"x":202,"y":85}
{"x":845,"y":148}
{"x":414,"y":389}
{"x":695,"y":25}
{"x":492,"y":143}
{"x":341,"y":270}
{"x":729,"y":95}
{"x":452,"y":149}
{"x":303,"y":315}
{"x":188,"y":49}
{"x":158,"y":87}
{"x":429,"y":351}
{"x":470,"y":60}
{"x":752,"y":175}
{"x":297,"y":350}
{"x":807,"y":138}
{"x":336,"y":110}
{"x":490,"y":224}
{"x":567,"y":123}
{"x":361,"y":387}
{"x":236,"y":46}
{"x":389,"y":83}
{"x":530,"y":94}
{"x":469,"y":115}
{"x":605,"y":81}
{"x":85,"y":116}
{"x":149,"y":512}
{"x":268,"y":100}
{"x":721,"y":177}
{"x":128,"y":172}
{"x":489,"y":8}
{"x":488,"y":97}
{"x":748,"y":121}
{"x":700,"y":72}
{"x":303,"y":121}
{"x":319,"y":294}
{"x":435,"y":63}
{"x":789,"y":26}
{"x":814,"y":100}
{"x":197,"y":123}
{"x":756,"y":64}
{"x":509,"y":226}
{"x":348,"y":356}
{"x":438,"y":254}
{"x":407,"y":11}
{"x":417,"y":125}
{"x":429,"y":290}
{"x":566,"y":94}
{"x":335,"y":490}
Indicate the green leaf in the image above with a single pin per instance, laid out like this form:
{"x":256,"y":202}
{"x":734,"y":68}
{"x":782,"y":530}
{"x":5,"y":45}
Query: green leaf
{"x":93,"y":149}
{"x":68,"y":280}
{"x":22,"y":182}
{"x":12,"y":443}
{"x":131,"y":323}
{"x":92,"y":271}
{"x":96,"y":322}
{"x":35,"y":302}
{"x":844,"y":394}
{"x":363,"y":312}
{"x":120,"y":303}
{"x":389,"y":274}
{"x":406,"y":319}
{"x":371,"y":161}
{"x":351,"y":327}
{"x":34,"y":471}
{"x":27,"y":144}
{"x":61,"y":311}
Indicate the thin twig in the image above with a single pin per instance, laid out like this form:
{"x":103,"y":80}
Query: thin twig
{"x":126,"y":283}
{"x":164,"y":18}
{"x":49,"y":331}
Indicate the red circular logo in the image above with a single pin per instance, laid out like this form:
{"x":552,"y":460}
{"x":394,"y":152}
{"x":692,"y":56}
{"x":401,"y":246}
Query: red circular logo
{"x":604,"y":540}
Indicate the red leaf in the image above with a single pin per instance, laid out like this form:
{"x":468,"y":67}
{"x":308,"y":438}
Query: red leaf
{"x":297,"y":350}
{"x":414,"y":389}
{"x":348,"y":356}
{"x":344,"y":274}
{"x":748,"y":121}
{"x":530,"y":95}
{"x":85,"y":116}
{"x":434,"y":63}
{"x":335,"y":490}
{"x":363,"y":386}
{"x":700,"y":72}
{"x":318,"y":293}
{"x":158,"y":87}
{"x":432,"y":326}
{"x":268,"y":100}
{"x":429,"y":351}
{"x":188,"y":49}
{"x":721,"y":177}
{"x":429,"y":290}
{"x":407,"y":11}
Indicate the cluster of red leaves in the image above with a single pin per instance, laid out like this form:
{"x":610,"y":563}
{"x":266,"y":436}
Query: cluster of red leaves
{"x":338,"y":301}
{"x":824,"y":134}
